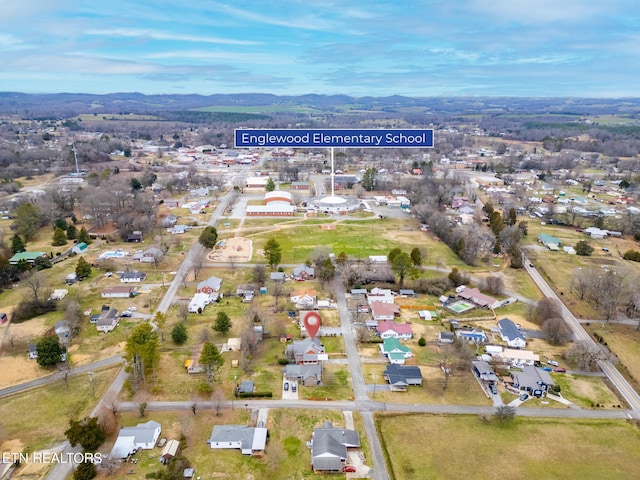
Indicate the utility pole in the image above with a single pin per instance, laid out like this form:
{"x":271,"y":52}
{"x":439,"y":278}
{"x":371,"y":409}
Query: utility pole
{"x":93,"y":385}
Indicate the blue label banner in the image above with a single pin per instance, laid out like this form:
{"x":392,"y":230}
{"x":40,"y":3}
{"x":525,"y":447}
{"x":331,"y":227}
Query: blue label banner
{"x":326,"y":138}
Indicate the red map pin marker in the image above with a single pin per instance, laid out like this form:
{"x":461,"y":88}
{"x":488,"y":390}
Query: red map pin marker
{"x":311,"y":323}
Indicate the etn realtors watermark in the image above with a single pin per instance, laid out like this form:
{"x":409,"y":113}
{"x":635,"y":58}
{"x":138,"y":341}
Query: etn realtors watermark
{"x":50,"y":457}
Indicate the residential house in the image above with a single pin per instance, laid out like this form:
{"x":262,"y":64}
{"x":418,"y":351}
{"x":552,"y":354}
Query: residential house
{"x":150,"y":255}
{"x":394,"y":351}
{"x":309,"y":375}
{"x":518,"y":358}
{"x":132,"y":277}
{"x":408,"y":293}
{"x":401,"y":376}
{"x":79,"y":248}
{"x":484,"y":372}
{"x":199,"y":302}
{"x":29,"y":257}
{"x":303,"y":272}
{"x":247,"y":290}
{"x":179,"y":229}
{"x":389,"y":328}
{"x":169,"y":220}
{"x":477,"y":297}
{"x":278,"y":276}
{"x":246,"y":386}
{"x":307,"y":351}
{"x":107,"y":321}
{"x":135,"y":237}
{"x":63,"y":331}
{"x":304,"y":298}
{"x":472,"y":336}
{"x":549,"y":241}
{"x":532,"y":380}
{"x":445,"y":337}
{"x":249,"y":440}
{"x":384,"y":311}
{"x":131,"y":439}
{"x":58,"y":294}
{"x":330,"y":446}
{"x":169,"y":451}
{"x":383,"y":295}
{"x":210,"y":285}
{"x":511,"y":334}
{"x":118,"y":292}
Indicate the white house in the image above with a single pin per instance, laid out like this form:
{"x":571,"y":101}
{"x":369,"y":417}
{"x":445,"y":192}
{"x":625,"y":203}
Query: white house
{"x":118,"y":292}
{"x":511,"y":334}
{"x":389,"y":328}
{"x":248,"y":440}
{"x":132,"y":277}
{"x":107,"y":321}
{"x":131,"y":439}
{"x":199,"y":302}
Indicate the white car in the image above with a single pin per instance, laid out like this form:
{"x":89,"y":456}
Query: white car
{"x":132,"y":309}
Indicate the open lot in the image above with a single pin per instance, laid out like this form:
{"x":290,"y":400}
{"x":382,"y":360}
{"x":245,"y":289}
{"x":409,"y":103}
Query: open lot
{"x":467,"y":447}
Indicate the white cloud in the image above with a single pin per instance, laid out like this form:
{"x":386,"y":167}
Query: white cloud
{"x":542,"y":11}
{"x":158,"y":35}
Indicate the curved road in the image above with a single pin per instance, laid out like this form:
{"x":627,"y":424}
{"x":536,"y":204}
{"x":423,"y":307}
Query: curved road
{"x":615,"y":377}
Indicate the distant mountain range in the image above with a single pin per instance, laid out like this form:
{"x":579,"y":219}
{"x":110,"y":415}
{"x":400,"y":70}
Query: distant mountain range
{"x":62,"y":105}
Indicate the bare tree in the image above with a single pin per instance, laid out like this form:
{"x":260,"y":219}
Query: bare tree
{"x":259,"y":274}
{"x":581,"y":281}
{"x":205,"y":335}
{"x":495,"y":284}
{"x":36,"y":282}
{"x":277,"y":290}
{"x":196,"y":266}
{"x":218,"y":400}
{"x":557,"y":331}
{"x":446,"y":358}
{"x":111,"y":403}
{"x":585,"y":356}
{"x":505,"y":413}
{"x":547,"y":308}
{"x":183,"y":311}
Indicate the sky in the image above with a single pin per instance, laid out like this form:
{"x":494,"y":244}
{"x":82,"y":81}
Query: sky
{"x":523,"y":48}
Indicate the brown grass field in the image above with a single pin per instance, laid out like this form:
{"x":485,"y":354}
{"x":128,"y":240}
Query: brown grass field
{"x":466,"y":447}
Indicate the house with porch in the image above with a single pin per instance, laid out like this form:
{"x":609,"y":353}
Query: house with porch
{"x":309,"y":375}
{"x":304,"y":298}
{"x":389,"y":328}
{"x":394,"y":351}
{"x":532,"y":380}
{"x":303,"y":272}
{"x":107,"y":321}
{"x":307,"y":351}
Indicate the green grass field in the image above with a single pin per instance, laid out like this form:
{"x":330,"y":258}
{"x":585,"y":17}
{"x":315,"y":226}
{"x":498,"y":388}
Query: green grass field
{"x":465,"y":447}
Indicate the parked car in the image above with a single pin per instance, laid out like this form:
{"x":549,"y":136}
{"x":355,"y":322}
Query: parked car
{"x":559,"y":369}
{"x":552,"y":362}
{"x":286,"y":386}
{"x":494,"y":389}
{"x":348,"y":468}
{"x":547,"y":369}
{"x":523,"y":397}
{"x":294,"y":387}
{"x":126,"y":314}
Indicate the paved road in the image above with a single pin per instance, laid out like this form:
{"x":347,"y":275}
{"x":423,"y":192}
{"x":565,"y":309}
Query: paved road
{"x":359,"y":384}
{"x":61,"y":471}
{"x":615,"y":377}
{"x":197,"y":251}
{"x":58,"y":376}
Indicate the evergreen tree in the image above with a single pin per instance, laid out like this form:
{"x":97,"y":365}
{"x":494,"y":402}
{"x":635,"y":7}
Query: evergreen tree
{"x":208,"y":237}
{"x":272,"y":252}
{"x":27,"y":220}
{"x":87,"y":433}
{"x":212,"y":360}
{"x":72,"y":232}
{"x":59,"y":237}
{"x":49,"y":351}
{"x":61,"y":223}
{"x":85,"y":471}
{"x":83,"y":236}
{"x":416,"y":257}
{"x":141,"y":351}
{"x":583,"y":248}
{"x":222,"y":324}
{"x":17,"y":244}
{"x":402,"y":266}
{"x":270,"y":186}
{"x":83,"y":269}
{"x":179,"y":334}
{"x":369,"y":179}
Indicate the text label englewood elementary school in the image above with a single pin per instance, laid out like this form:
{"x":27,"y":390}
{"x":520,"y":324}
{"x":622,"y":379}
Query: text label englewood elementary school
{"x":327,"y":138}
